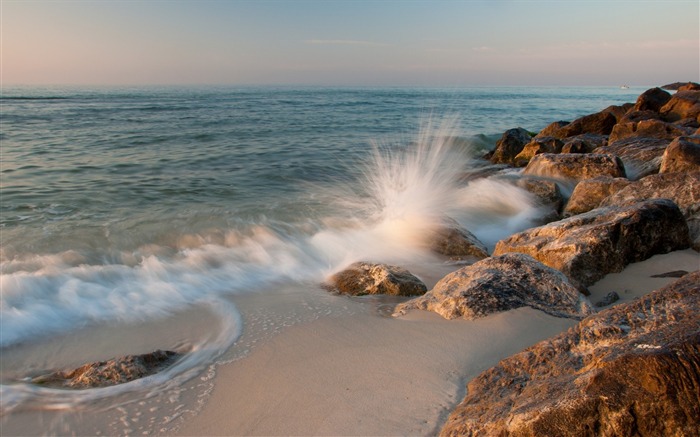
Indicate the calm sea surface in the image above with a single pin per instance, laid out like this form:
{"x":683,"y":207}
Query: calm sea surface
{"x":126,"y":204}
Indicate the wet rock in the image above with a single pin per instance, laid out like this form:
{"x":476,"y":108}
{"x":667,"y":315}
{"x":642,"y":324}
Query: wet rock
{"x":546,"y":191}
{"x":108,"y":373}
{"x":451,"y":239}
{"x":584,"y":143}
{"x":589,"y":193}
{"x":683,"y":104}
{"x":535,"y":147}
{"x":588,"y":246}
{"x":630,"y":370}
{"x":683,"y":188}
{"x":575,"y":166}
{"x":653,"y":100}
{"x":363,"y":278}
{"x":609,"y":299}
{"x":509,"y":145}
{"x":683,"y":154}
{"x":499,"y":284}
{"x":641,"y":156}
{"x":648,"y":129}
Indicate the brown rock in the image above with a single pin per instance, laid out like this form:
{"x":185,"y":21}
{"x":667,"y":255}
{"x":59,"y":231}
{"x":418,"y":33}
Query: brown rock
{"x":499,"y":284}
{"x":599,"y":123}
{"x":546,"y":191}
{"x":619,"y":111}
{"x":584,"y":143}
{"x":575,"y":166}
{"x":112,"y":372}
{"x":641,"y":156}
{"x":652,"y":100}
{"x":362,"y":278}
{"x":683,"y":154}
{"x":551,"y":129}
{"x":451,"y":239}
{"x":633,"y":369}
{"x":588,"y":246}
{"x":589,"y":193}
{"x":510,"y":144}
{"x":536,"y":147}
{"x":682,"y":86}
{"x":683,"y":104}
{"x":637,"y":116}
{"x":648,"y":129}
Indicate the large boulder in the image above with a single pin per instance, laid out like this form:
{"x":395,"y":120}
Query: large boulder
{"x":648,"y":129}
{"x":499,"y":284}
{"x":683,"y":154}
{"x":683,"y":104}
{"x":637,"y":116}
{"x":589,"y":193}
{"x":111,"y":372}
{"x":619,"y":111}
{"x":509,"y":145}
{"x":599,"y":123}
{"x":584,"y":143}
{"x":633,"y":369}
{"x":575,"y":166}
{"x":653,"y":100}
{"x":683,"y":188}
{"x":452,"y":240}
{"x":588,"y":246}
{"x":641,"y":156}
{"x":536,"y":147}
{"x":551,"y":129}
{"x":363,"y":278}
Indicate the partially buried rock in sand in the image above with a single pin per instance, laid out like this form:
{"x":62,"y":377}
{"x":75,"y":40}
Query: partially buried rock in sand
{"x":363,"y":278}
{"x":112,"y":372}
{"x":630,"y":370}
{"x":500,"y":284}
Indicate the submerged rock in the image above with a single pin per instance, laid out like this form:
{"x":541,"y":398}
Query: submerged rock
{"x":633,"y":369}
{"x":588,"y":246}
{"x":363,"y":278}
{"x":500,"y":284}
{"x":108,"y":373}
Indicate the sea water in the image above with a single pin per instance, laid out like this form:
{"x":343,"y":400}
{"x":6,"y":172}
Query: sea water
{"x":125,"y":206}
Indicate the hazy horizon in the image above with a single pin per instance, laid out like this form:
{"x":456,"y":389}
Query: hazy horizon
{"x":346,"y":43}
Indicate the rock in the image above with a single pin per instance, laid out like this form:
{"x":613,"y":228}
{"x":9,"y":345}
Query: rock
{"x":588,"y":246}
{"x":363,"y":278}
{"x":631,"y":370}
{"x":641,"y":156}
{"x":575,"y":166}
{"x":510,"y":144}
{"x":683,"y":104}
{"x":648,"y":129}
{"x":681,"y":85}
{"x":619,"y":111}
{"x":584,"y":143}
{"x":546,"y":191}
{"x":609,"y":299}
{"x":690,"y":86}
{"x":652,"y":100}
{"x":589,"y":193}
{"x":683,"y":154}
{"x":500,"y":284}
{"x":637,"y":116}
{"x":673,"y":274}
{"x":599,"y":123}
{"x":683,"y":188}
{"x":108,"y":373}
{"x":551,"y":129}
{"x":451,"y":239}
{"x":482,"y":172}
{"x":535,"y":147}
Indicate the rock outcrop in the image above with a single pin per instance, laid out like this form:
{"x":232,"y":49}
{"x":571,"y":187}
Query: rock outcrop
{"x":363,"y":278}
{"x":499,"y":284}
{"x":633,"y":369}
{"x":108,"y":373}
{"x":588,"y":194}
{"x":588,"y":246}
{"x":575,"y":166}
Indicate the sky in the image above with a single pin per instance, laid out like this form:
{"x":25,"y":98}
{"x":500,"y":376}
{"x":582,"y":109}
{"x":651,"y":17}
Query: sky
{"x":367,"y":43}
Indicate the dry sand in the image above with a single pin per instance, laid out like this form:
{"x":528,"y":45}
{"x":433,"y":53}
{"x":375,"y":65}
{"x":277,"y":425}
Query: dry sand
{"x":370,"y":375}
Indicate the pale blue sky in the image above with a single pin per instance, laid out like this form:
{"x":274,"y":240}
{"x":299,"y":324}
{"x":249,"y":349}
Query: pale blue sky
{"x":442,"y":43}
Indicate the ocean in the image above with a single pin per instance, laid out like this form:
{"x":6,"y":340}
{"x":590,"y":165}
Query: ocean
{"x":126,"y":206}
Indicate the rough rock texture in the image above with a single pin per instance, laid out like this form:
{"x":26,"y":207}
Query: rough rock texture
{"x":551,"y":129}
{"x":500,"y":284}
{"x":683,"y":104}
{"x":509,"y":145}
{"x":608,"y":299}
{"x":641,"y":156}
{"x":653,"y":99}
{"x":451,"y":239}
{"x":599,"y":123}
{"x":112,"y":372}
{"x":683,"y":188}
{"x":575,"y":166}
{"x":362,"y":278}
{"x":619,"y":111}
{"x":546,"y":191}
{"x":589,"y":193}
{"x":683,"y":154}
{"x":588,"y":246}
{"x":632,"y":370}
{"x":636,"y":116}
{"x":648,"y":129}
{"x":682,"y":86}
{"x":584,"y":143}
{"x":537,"y":146}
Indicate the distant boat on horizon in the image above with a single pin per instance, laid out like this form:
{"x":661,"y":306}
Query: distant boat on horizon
{"x":624,"y":87}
